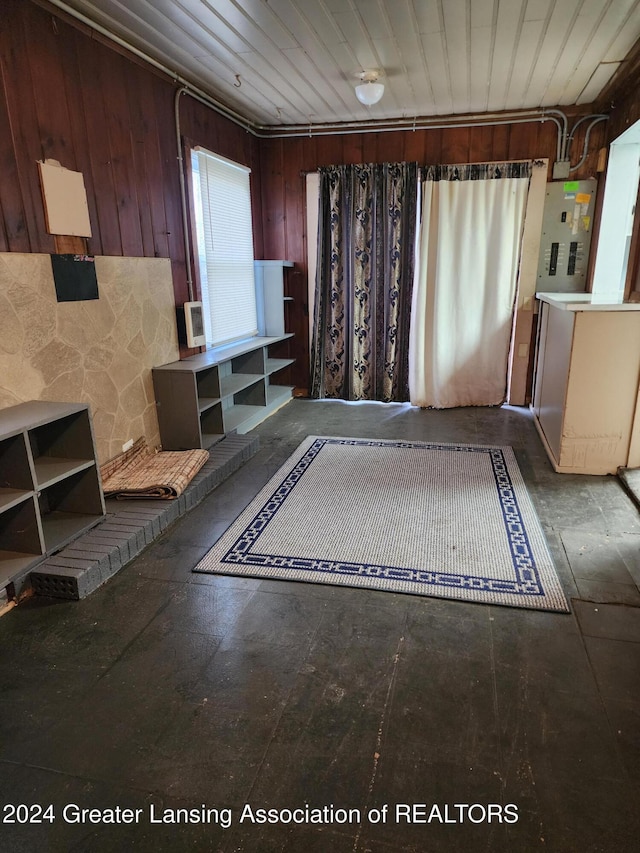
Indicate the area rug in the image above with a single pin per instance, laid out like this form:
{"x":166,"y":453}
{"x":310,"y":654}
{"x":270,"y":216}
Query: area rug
{"x":446,"y":520}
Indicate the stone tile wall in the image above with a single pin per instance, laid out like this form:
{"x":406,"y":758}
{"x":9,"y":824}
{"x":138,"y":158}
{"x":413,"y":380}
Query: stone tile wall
{"x":98,"y":352}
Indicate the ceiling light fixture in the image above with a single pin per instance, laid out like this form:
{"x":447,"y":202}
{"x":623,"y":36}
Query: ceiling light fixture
{"x":369,"y":91}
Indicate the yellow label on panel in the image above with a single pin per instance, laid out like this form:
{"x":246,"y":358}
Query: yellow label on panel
{"x":583,"y":198}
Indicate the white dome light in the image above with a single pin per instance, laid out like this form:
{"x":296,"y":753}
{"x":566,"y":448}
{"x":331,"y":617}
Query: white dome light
{"x":369,"y":91}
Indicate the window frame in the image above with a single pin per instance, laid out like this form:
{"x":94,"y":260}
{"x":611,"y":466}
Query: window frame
{"x":192,"y":149}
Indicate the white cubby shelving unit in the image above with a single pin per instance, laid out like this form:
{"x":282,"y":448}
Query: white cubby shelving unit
{"x":50,"y":490}
{"x":270,"y":295}
{"x":223,"y":390}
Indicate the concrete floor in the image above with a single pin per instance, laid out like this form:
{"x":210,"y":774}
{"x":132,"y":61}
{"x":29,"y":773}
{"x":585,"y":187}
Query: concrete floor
{"x":167,"y":690}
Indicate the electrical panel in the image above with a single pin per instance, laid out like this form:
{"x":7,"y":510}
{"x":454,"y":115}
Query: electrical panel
{"x":567,"y":223}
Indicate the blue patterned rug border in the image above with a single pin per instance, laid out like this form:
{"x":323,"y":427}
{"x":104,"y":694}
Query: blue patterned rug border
{"x":526,"y":584}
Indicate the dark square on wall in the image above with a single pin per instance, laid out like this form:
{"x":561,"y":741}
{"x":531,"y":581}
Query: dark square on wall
{"x":74,"y":277}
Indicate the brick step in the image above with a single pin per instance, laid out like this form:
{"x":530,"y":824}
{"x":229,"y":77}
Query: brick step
{"x":90,"y":560}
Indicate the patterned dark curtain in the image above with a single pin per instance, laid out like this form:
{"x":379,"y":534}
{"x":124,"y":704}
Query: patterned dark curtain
{"x":477,"y":171}
{"x":366,"y":243}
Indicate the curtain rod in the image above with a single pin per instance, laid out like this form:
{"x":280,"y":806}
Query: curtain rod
{"x":534,"y":162}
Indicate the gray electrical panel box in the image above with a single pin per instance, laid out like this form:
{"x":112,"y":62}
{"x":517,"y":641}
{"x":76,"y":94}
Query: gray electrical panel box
{"x":567,"y":223}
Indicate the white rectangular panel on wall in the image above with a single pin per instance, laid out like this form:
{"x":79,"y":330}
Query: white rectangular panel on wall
{"x":65,"y":200}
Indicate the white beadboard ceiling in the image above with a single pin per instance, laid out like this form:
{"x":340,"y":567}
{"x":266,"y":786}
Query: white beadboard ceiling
{"x":284,"y":62}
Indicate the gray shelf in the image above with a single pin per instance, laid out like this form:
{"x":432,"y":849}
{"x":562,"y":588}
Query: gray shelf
{"x":50,"y":490}
{"x":205,"y":403}
{"x":209,"y":439}
{"x":52,"y":469}
{"x":12,"y":497}
{"x":14,"y":564}
{"x":223,"y":390}
{"x":60,"y":527}
{"x":236,"y":416}
{"x":219,"y":355}
{"x":278,"y":394}
{"x":275,"y":364}
{"x":230,"y":385}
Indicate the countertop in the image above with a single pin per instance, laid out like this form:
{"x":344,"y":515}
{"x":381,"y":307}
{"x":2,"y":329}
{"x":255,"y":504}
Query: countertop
{"x":584,"y":302}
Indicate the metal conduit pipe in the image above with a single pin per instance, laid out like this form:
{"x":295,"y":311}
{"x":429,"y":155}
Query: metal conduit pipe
{"x":211,"y":102}
{"x":372,"y":128}
{"x":416,"y":123}
{"x":339,"y":128}
{"x":382,"y":126}
{"x":319,"y":130}
{"x":345,"y":128}
{"x":183,"y":193}
{"x":598,"y":116}
{"x":585,"y":147}
{"x":562,"y":140}
{"x":292,"y":131}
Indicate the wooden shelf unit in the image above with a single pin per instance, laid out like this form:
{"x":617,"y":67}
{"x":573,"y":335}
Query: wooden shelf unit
{"x":225,"y":389}
{"x":50,"y":490}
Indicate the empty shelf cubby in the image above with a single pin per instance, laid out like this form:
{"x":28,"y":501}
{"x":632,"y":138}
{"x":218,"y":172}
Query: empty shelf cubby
{"x":50,"y":490}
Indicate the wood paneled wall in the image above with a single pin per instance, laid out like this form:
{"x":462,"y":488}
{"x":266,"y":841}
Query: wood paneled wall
{"x":285,"y":162}
{"x":621,"y":97}
{"x":69,"y":95}
{"x":624,"y":113}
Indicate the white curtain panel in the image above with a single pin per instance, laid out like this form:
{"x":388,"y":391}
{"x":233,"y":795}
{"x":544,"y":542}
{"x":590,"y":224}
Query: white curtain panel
{"x":464,"y":293}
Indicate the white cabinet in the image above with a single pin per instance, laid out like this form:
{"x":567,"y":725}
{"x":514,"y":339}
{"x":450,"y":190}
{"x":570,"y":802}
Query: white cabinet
{"x":585,"y":393}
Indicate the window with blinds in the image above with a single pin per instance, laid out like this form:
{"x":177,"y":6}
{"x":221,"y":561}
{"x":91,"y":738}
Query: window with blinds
{"x":222,"y":202}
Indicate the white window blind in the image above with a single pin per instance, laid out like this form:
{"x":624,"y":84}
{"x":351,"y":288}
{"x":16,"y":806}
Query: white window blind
{"x":225,"y":247}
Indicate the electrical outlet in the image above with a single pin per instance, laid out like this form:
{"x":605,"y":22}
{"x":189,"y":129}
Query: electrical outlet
{"x":127,"y":445}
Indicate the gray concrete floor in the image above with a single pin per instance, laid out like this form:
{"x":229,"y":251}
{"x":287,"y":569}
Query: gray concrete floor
{"x":168,"y":690}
